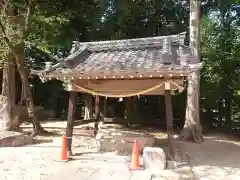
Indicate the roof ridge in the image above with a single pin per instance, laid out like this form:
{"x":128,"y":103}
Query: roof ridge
{"x":177,"y":38}
{"x":137,"y":43}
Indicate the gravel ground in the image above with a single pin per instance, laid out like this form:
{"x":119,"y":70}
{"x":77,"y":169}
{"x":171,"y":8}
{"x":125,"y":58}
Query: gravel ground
{"x":34,"y":162}
{"x":38,"y":161}
{"x":217,"y":158}
{"x":30,"y":162}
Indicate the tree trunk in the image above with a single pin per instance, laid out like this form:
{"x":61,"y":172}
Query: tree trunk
{"x":12,"y":77}
{"x":22,"y":94}
{"x":20,"y":61}
{"x":192,"y":127}
{"x":228,"y":112}
{"x":6,"y":81}
{"x":8,"y":89}
{"x":6,"y":112}
{"x":220,"y":114}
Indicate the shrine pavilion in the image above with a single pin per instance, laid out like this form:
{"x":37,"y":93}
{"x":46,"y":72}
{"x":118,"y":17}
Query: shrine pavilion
{"x":124,"y":68}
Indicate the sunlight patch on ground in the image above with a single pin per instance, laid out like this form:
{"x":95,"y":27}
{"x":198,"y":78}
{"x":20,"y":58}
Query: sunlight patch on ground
{"x":216,"y":173}
{"x":229,"y":141}
{"x":217,"y":158}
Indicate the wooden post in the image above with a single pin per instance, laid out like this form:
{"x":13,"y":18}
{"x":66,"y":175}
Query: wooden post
{"x":169,"y":118}
{"x":70,"y":120}
{"x":97,"y":114}
{"x":90,"y":104}
{"x":97,"y":107}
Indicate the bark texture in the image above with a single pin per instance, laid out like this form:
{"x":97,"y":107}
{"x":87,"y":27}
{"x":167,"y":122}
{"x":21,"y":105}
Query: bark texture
{"x":8,"y":91}
{"x":228,"y":111}
{"x":16,"y":48}
{"x":27,"y":93}
{"x":192,"y":127}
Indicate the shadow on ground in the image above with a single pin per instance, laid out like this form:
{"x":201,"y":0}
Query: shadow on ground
{"x":42,"y":141}
{"x":215,"y":159}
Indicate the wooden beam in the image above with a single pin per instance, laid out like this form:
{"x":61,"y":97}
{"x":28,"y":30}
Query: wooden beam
{"x":169,"y":118}
{"x":70,"y":120}
{"x":125,"y":75}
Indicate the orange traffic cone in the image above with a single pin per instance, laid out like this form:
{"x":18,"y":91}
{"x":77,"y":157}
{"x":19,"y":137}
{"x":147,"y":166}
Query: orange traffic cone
{"x":64,"y":156}
{"x":135,"y":163}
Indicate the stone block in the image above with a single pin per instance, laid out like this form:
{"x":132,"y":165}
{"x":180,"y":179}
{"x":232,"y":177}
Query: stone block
{"x":154,"y":159}
{"x":14,"y":139}
{"x":120,"y":141}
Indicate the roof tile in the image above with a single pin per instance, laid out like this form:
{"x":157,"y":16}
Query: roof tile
{"x":132,"y":55}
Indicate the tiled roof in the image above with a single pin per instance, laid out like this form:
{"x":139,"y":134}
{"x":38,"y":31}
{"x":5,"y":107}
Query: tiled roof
{"x":154,"y":54}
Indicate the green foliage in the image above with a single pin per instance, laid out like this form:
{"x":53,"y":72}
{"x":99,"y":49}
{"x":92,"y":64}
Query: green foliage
{"x":55,"y":24}
{"x":220,"y":50}
{"x":128,"y":19}
{"x":238,"y":92}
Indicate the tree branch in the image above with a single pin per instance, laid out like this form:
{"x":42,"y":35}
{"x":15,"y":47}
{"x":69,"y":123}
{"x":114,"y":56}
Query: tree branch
{"x":26,"y":29}
{"x":3,"y":6}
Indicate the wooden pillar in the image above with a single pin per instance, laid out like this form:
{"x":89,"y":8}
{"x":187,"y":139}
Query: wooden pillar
{"x":97,"y":114}
{"x":97,"y":107}
{"x":70,"y":120}
{"x":90,"y":104}
{"x":169,"y":118}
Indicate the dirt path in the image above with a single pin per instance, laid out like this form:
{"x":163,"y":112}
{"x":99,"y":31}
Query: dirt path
{"x":217,"y":158}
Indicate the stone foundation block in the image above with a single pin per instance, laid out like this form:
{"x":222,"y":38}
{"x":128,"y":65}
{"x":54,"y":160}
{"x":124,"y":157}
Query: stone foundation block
{"x":154,"y":159}
{"x":14,"y":139}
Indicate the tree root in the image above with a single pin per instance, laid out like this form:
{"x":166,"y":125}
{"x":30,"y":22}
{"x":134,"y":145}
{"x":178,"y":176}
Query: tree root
{"x":39,"y":130}
{"x":191,"y":133}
